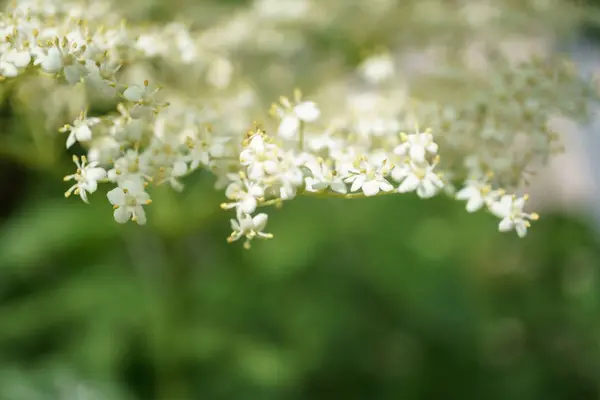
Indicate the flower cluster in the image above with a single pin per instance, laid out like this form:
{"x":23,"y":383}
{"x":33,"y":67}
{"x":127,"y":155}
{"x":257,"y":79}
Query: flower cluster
{"x":358,"y":137}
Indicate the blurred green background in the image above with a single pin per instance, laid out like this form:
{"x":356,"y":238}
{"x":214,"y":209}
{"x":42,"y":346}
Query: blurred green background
{"x":386,"y":298}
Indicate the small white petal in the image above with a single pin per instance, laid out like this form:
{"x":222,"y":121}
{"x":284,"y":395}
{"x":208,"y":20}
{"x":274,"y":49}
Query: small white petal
{"x":466,"y":193}
{"x":288,"y":127}
{"x":521,"y":229}
{"x":71,"y":139}
{"x":83,"y":133}
{"x":499,"y":209}
{"x":53,"y":61}
{"x":505,"y":225}
{"x":432,"y":148}
{"x":89,"y":186}
{"x":417,"y":153}
{"x":307,"y":111}
{"x":270,"y":167}
{"x":9,"y":70}
{"x":385,"y":186}
{"x":357,"y":183}
{"x":140,"y":215}
{"x":121,"y":215}
{"x":116,"y":197}
{"x":409,"y":184}
{"x":134,"y":93}
{"x":475,"y":203}
{"x":95,"y":174}
{"x":399,"y":173}
{"x":20,"y":59}
{"x":256,"y":191}
{"x":248,"y":204}
{"x":370,"y":188}
{"x":180,"y":168}
{"x":426,"y":189}
{"x":339,"y":187}
{"x":255,"y":172}
{"x":260,"y":221}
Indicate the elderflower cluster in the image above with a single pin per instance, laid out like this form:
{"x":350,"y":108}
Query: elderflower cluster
{"x":359,"y":137}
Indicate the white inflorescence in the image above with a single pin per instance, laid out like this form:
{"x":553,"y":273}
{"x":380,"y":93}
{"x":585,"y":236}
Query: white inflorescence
{"x":359,"y":150}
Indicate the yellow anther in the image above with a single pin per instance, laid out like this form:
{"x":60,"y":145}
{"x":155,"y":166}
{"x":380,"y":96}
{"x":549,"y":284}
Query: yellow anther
{"x":534,"y":216}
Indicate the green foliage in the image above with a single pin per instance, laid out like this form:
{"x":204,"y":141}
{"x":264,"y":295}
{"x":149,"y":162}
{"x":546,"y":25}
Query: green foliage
{"x":387,"y":298}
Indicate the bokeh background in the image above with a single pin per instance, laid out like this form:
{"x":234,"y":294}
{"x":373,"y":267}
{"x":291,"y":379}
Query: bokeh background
{"x":384,"y":298}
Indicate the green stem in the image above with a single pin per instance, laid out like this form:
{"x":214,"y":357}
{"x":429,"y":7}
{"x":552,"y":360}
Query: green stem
{"x":328,"y":195}
{"x":301,"y":136}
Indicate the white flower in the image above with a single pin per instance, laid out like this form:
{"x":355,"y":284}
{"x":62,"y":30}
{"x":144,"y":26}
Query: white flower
{"x":244,"y":193}
{"x":172,"y":173}
{"x":323,"y":177}
{"x":198,"y":155}
{"x":52,"y":61}
{"x":477,"y":194}
{"x":417,"y":145}
{"x":13,"y":62}
{"x":417,"y":178}
{"x":80,"y":131}
{"x":260,"y":157}
{"x":370,"y":179}
{"x":151,"y":44}
{"x":128,"y":201}
{"x":378,"y":68}
{"x":250,"y":227}
{"x":86,"y":178}
{"x":292,"y":116}
{"x":145,"y":99}
{"x":290,"y":177}
{"x":510,"y":210}
{"x":101,"y":76}
{"x":128,"y":167}
{"x":137,"y":93}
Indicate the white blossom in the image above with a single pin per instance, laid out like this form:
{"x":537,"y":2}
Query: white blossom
{"x":260,"y":157}
{"x":13,"y":62}
{"x":128,"y":201}
{"x":81,"y":130}
{"x":477,"y":193}
{"x":245,"y":194}
{"x":292,"y":116}
{"x":378,"y":68}
{"x":86,"y":178}
{"x":417,"y":146}
{"x":510,"y":209}
{"x":421,"y":179}
{"x":370,"y":179}
{"x":249,"y":227}
{"x":324,"y":177}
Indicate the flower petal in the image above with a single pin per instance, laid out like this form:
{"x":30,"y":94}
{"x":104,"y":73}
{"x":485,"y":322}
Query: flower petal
{"x":122,"y":215}
{"x":409,"y":184}
{"x":506,"y":225}
{"x":370,"y":188}
{"x":307,"y":111}
{"x":116,"y":197}
{"x":288,"y":127}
